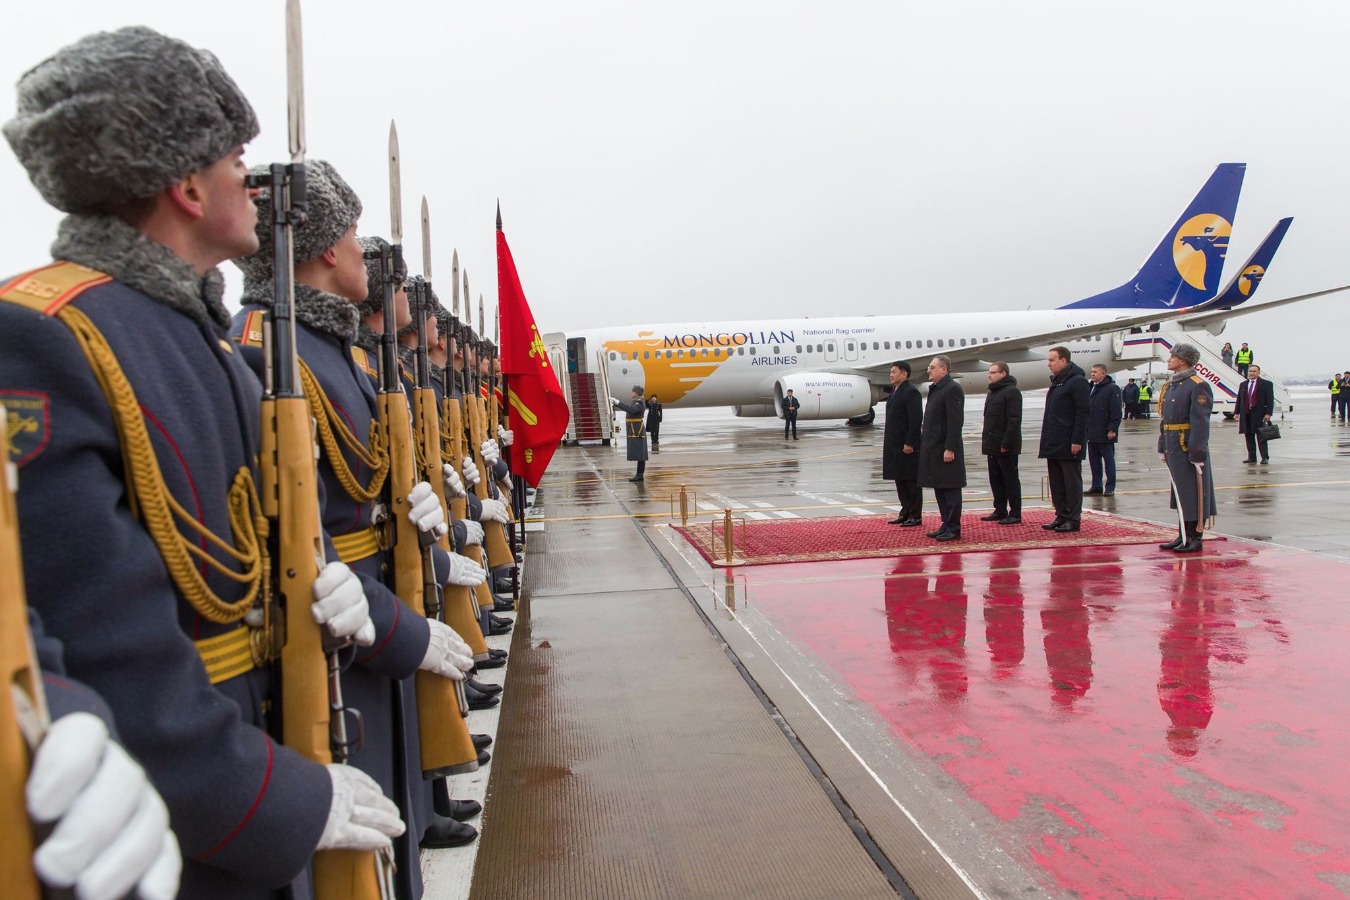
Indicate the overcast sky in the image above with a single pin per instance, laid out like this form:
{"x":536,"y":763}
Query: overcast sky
{"x":705,"y":161}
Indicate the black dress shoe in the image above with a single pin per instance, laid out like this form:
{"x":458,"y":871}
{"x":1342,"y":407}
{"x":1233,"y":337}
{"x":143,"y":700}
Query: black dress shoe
{"x":1051,"y":526}
{"x":481,"y":741}
{"x":446,"y":832}
{"x":464,"y":810}
{"x":497,"y":628}
{"x":993,"y":517}
{"x":1251,"y":459}
{"x":1010,"y":520}
{"x":910,"y":523}
{"x":1265,"y":462}
{"x":500,"y":620}
{"x":898,"y":520}
{"x":484,"y":687}
{"x":933,"y":534}
{"x":1067,"y":526}
{"x":948,"y":536}
{"x":1110,"y":493}
{"x":491,"y":662}
{"x":479,"y":700}
{"x":1173,"y":544}
{"x":1092,"y":491}
{"x":499,"y":605}
{"x":484,"y":757}
{"x":636,"y":478}
{"x":1192,"y":545}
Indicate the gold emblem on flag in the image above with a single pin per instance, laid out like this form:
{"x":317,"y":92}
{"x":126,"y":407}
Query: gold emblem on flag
{"x":537,"y":348}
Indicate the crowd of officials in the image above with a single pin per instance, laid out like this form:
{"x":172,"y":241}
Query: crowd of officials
{"x":922,"y":446}
{"x":134,"y":405}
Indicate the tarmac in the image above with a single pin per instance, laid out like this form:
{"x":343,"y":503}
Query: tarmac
{"x":1109,"y":721}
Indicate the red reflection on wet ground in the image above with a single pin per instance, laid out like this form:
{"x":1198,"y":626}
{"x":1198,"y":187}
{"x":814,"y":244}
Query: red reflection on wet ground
{"x":1140,"y":724}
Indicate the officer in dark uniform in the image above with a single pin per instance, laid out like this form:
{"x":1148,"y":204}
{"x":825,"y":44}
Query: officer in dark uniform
{"x":1186,"y":402}
{"x":791,"y":406}
{"x":633,"y":412}
{"x":654,"y":416}
{"x":136,"y":134}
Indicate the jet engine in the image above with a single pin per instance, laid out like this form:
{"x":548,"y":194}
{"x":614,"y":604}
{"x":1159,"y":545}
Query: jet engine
{"x":827,"y":396}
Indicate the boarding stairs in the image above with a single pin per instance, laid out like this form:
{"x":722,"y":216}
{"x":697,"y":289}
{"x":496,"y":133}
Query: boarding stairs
{"x":1225,"y":380}
{"x":588,"y":399}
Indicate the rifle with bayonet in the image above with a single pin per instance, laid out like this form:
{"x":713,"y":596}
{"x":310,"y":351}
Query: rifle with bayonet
{"x":23,"y":706}
{"x":446,"y":745}
{"x":456,"y":606}
{"x":313,"y":717}
{"x":498,"y":550}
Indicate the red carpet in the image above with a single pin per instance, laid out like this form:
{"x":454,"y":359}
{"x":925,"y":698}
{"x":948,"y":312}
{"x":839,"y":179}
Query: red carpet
{"x":775,"y":541}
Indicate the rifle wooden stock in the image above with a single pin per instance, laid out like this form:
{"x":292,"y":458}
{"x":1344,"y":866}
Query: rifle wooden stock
{"x":456,"y":601}
{"x":21,"y":674}
{"x":446,"y":745}
{"x":494,"y":533}
{"x":290,"y":500}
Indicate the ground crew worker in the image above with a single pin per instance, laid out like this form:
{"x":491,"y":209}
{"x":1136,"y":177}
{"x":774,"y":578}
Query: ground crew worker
{"x":1185,"y":405}
{"x":330,"y":279}
{"x":1145,"y":397}
{"x":1243,"y":358}
{"x":139,"y":137}
{"x":1334,"y":385}
{"x":633,"y":412}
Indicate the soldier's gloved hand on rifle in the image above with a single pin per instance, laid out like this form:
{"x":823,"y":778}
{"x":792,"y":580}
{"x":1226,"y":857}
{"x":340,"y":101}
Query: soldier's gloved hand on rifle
{"x":506,"y":480}
{"x":111,"y":831}
{"x":491,"y":452}
{"x":506,"y":437}
{"x":454,"y":485}
{"x":473,"y":533}
{"x":361,"y":817}
{"x":425,"y":510}
{"x":340,"y":604}
{"x":442,"y":657}
{"x":471,"y":476}
{"x":463,"y":572}
{"x":493,"y":511}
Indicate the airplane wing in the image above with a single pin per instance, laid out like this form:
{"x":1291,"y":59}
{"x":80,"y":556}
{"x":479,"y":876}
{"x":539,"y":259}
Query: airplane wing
{"x":1200,"y":319}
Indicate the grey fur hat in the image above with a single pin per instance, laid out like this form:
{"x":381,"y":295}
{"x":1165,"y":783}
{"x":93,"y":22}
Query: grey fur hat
{"x":121,"y":115}
{"x":1187,"y":353}
{"x":375,"y":276}
{"x":637,"y":389}
{"x":332,"y":207}
{"x":432,"y":309}
{"x":446,"y":322}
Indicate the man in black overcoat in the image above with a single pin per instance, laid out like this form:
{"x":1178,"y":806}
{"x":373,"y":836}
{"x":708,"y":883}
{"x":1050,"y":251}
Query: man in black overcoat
{"x":900,"y":445}
{"x":1063,"y":436}
{"x":1255,"y":406}
{"x":942,"y":464}
{"x":1001,"y":442}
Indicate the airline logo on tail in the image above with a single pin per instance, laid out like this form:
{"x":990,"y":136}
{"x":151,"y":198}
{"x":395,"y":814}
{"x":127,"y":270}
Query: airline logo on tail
{"x":1200,"y":246}
{"x":1249,"y":279}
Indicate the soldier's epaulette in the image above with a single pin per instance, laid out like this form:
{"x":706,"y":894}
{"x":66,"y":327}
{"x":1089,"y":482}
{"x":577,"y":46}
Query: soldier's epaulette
{"x":1197,"y":379}
{"x":362,"y":359}
{"x":51,"y":288}
{"x":252,"y":333}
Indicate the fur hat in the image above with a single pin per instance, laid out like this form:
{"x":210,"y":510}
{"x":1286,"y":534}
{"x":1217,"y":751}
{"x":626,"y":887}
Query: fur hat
{"x":375,"y":275}
{"x":433,"y":305}
{"x":1187,"y":353}
{"x":637,"y":389}
{"x":331,"y":208}
{"x":121,"y":115}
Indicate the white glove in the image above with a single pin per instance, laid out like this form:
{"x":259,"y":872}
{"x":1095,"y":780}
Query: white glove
{"x":425,"y":510}
{"x":112,"y":829}
{"x":506,"y":480}
{"x":473,"y":533}
{"x":491,"y":453}
{"x":614,"y":401}
{"x":493,"y":511}
{"x":463,"y":572}
{"x":459,"y":646}
{"x":442,"y":658}
{"x":471,"y":476}
{"x":506,"y":437}
{"x":454,"y":485}
{"x":340,"y":604}
{"x":361,"y":817}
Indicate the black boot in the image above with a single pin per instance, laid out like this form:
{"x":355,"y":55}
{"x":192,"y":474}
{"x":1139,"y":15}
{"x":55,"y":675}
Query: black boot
{"x":1193,"y":541}
{"x":1174,"y":543}
{"x":446,"y":832}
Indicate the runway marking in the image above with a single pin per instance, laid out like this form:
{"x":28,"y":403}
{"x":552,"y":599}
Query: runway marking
{"x":758,"y":515}
{"x":819,"y":498}
{"x":857,"y":511}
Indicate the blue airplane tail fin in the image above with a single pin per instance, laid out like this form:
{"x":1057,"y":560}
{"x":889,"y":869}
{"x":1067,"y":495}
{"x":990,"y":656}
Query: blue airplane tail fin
{"x":1248,"y":278}
{"x":1186,"y":266}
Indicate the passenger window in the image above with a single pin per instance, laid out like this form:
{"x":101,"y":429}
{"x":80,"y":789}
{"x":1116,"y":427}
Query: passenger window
{"x":752,"y":351}
{"x":930,"y":342}
{"x":799,"y":348}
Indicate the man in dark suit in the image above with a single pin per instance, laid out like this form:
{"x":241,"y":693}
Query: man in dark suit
{"x":1255,"y":406}
{"x":1063,"y":437}
{"x":942,"y":464}
{"x":900,"y":445}
{"x":790,"y":406}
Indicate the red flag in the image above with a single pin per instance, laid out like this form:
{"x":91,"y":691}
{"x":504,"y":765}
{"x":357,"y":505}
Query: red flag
{"x":537,"y":412}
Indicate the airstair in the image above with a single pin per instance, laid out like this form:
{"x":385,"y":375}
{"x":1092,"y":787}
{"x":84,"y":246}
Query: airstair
{"x":1225,"y":380}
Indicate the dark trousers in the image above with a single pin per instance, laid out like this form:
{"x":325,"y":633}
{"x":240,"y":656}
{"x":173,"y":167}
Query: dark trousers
{"x":654,"y":429}
{"x":1254,"y":441}
{"x":949,"y":507}
{"x":790,"y":423}
{"x":1006,"y":484}
{"x":1242,"y":370}
{"x":1102,"y":454}
{"x":1343,"y":403}
{"x":1335,"y":399}
{"x":1066,"y":487}
{"x":911,"y":498}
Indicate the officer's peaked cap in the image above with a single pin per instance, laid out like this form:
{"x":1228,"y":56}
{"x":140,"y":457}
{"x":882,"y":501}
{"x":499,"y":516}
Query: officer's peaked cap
{"x":121,"y":115}
{"x":332,"y":207}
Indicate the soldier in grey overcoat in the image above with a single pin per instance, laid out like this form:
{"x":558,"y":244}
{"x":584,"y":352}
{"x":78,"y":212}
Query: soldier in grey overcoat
{"x":634,"y":410}
{"x":1186,"y":403}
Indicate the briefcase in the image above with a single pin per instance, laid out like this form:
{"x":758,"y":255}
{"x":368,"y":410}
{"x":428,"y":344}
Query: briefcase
{"x":1268,"y":432}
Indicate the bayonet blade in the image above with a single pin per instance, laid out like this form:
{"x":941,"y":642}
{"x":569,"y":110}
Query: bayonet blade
{"x":426,"y":240}
{"x":454,"y":283}
{"x":295,"y":81}
{"x":482,"y":320}
{"x":395,"y":189}
{"x":468,"y":304}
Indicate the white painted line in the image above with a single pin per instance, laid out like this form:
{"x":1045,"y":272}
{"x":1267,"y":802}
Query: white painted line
{"x":786,"y":514}
{"x":859,"y":511}
{"x":758,"y":515}
{"x":710,"y":507}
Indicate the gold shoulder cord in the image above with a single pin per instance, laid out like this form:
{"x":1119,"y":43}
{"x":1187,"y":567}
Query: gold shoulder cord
{"x":333,"y":430}
{"x":154,"y":505}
